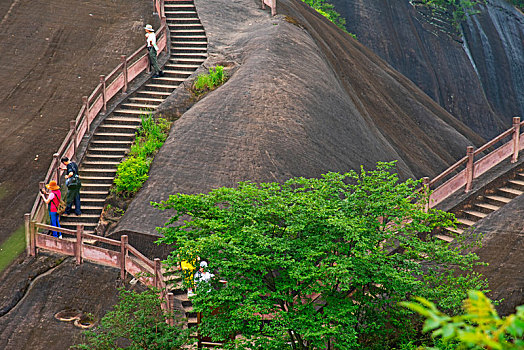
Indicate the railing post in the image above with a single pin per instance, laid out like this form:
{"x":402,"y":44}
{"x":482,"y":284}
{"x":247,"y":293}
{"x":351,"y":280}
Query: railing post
{"x":124,"y":72}
{"x":161,"y":14}
{"x":86,"y":112}
{"x":27,"y":224}
{"x":156,"y":281}
{"x":123,"y":242}
{"x":72,"y":127}
{"x":56,"y":161}
{"x":273,"y":7}
{"x":425,"y":184}
{"x":470,"y":168}
{"x":516,"y":139}
{"x":78,"y":244}
{"x":171,"y":308}
{"x":164,"y":23}
{"x":32,"y":240}
{"x":104,"y":95}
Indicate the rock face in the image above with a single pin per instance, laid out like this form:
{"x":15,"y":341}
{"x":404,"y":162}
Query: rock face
{"x":502,"y":244}
{"x":477,"y":77}
{"x":53,"y":52}
{"x":304,"y":99}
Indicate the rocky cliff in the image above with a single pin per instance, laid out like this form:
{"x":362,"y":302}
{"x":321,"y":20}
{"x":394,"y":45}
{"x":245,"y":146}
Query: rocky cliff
{"x":476,"y":73}
{"x":304,"y":99}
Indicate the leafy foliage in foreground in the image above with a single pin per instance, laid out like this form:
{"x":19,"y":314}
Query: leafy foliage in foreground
{"x":136,"y":323}
{"x":327,"y":259}
{"x":480,"y":327}
{"x":133,"y":171}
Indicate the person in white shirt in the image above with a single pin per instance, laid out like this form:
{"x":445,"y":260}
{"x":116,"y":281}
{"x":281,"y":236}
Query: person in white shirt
{"x":153,"y":50}
{"x":202,"y":278}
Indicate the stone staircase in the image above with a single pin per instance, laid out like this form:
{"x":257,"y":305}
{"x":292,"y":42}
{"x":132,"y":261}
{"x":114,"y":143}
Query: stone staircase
{"x":113,"y":138}
{"x":485,"y":205}
{"x":174,"y":280}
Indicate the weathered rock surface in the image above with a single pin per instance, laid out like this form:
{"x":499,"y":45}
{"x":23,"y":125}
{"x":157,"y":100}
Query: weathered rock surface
{"x":502,"y":244}
{"x":480,"y":80}
{"x":34,"y":290}
{"x":53,"y":52}
{"x":305,"y":99}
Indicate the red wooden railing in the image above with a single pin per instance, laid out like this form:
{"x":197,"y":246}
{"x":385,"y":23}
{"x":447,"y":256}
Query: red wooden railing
{"x":109,"y":86}
{"x":469,"y":169}
{"x":124,"y":257}
{"x":128,"y":259}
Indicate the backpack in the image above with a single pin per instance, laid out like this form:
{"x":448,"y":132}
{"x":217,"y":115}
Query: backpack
{"x":60,"y":208}
{"x":73,"y":181}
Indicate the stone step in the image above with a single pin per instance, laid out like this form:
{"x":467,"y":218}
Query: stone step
{"x":476,"y":214}
{"x":454,"y":230}
{"x":128,"y":120}
{"x":510,"y":192}
{"x":518,"y":184}
{"x":171,"y":80}
{"x":161,"y":86}
{"x":498,"y":199}
{"x":153,"y":93}
{"x":486,"y":206}
{"x":97,"y":172}
{"x":179,"y":42}
{"x":93,"y":202}
{"x":190,"y":37}
{"x":102,"y":157}
{"x":140,"y":105}
{"x":178,"y":32}
{"x":465,"y":222}
{"x":131,"y":112}
{"x":189,"y":67}
{"x":147,"y":100}
{"x":81,"y":219}
{"x":110,"y":144}
{"x":445,"y":238}
{"x":190,"y":49}
{"x":178,"y":26}
{"x":100,"y":164}
{"x":97,"y":179}
{"x":168,"y":71}
{"x":113,"y":136}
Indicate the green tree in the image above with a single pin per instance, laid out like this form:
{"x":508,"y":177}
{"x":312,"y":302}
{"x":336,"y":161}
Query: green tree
{"x":326,"y":259}
{"x":480,"y":327}
{"x":136,"y":323}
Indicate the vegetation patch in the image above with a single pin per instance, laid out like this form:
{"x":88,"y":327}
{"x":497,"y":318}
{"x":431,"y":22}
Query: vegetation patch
{"x":133,"y":171}
{"x":210,"y":81}
{"x":137,"y":322}
{"x":518,"y":4}
{"x":327,"y":260}
{"x":12,"y":247}
{"x":456,"y":9}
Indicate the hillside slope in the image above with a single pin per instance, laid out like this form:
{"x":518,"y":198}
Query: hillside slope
{"x":53,"y":52}
{"x":305,"y":99}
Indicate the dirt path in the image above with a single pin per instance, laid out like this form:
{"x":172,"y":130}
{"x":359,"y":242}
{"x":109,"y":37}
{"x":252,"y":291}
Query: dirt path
{"x":52,"y":53}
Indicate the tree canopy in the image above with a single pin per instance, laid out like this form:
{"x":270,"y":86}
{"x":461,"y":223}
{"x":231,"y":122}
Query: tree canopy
{"x":326,"y":260}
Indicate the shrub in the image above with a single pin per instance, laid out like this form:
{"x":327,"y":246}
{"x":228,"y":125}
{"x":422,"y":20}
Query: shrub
{"x":208,"y":82}
{"x":138,"y":322}
{"x":131,"y":174}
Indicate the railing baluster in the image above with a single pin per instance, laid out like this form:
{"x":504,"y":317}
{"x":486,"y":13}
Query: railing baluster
{"x":123,"y":58}
{"x":86,"y":112}
{"x":78,"y":244}
{"x":104,"y":95}
{"x":470,"y":168}
{"x":516,"y":139}
{"x":123,"y":242}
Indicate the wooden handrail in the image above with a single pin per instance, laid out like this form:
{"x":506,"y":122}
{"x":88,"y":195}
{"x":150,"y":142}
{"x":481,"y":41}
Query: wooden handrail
{"x":141,"y":256}
{"x":494,"y":141}
{"x":101,"y":239}
{"x":54,"y":228}
{"x":449,"y":170}
{"x":474,"y":169}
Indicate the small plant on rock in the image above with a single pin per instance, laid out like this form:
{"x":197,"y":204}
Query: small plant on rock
{"x":210,"y":81}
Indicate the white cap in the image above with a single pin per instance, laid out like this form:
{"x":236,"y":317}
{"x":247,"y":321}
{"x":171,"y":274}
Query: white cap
{"x":149,"y":27}
{"x":203,"y":263}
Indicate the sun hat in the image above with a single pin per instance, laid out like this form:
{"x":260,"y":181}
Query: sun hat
{"x":149,"y":27}
{"x":203,"y":263}
{"x":52,"y":186}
